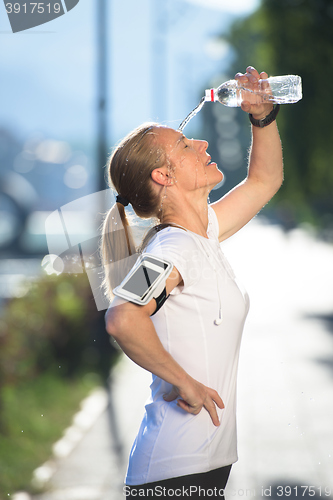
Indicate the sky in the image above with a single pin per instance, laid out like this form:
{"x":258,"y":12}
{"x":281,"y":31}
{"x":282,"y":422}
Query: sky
{"x":240,"y":7}
{"x":161,"y":56}
{"x":48,"y":82}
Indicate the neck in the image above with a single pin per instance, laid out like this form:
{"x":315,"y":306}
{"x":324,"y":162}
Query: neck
{"x":188,"y":214}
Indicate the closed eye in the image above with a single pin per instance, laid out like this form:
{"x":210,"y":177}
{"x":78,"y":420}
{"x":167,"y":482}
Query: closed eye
{"x":182,"y":140}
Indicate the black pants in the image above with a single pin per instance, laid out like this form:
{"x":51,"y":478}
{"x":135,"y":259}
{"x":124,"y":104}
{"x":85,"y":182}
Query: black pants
{"x":194,"y":486}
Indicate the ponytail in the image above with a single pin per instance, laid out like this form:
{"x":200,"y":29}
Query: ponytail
{"x":129,"y":171}
{"x":118,"y":250}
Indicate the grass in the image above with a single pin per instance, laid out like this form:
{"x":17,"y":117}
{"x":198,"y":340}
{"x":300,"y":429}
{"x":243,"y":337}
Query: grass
{"x":35,"y":415}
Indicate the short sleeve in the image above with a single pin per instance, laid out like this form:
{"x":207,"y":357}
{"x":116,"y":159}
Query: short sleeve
{"x":177,"y":246}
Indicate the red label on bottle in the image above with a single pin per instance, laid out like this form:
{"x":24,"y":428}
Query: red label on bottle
{"x":212,"y":95}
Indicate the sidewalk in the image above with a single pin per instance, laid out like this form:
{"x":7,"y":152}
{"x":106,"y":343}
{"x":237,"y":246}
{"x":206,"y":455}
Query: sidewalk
{"x":285,"y":410}
{"x":285,"y":396}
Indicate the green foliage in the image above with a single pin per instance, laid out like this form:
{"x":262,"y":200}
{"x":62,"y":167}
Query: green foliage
{"x":296,"y":37}
{"x":53,"y":349}
{"x":35,"y":414}
{"x":55,"y":328}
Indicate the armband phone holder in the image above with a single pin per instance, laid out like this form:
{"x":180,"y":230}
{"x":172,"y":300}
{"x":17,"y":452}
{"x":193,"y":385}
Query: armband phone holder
{"x":146,"y":281}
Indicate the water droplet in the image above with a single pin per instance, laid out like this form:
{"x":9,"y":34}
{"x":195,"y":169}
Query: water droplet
{"x":42,"y":415}
{"x":21,"y":431}
{"x":59,"y":366}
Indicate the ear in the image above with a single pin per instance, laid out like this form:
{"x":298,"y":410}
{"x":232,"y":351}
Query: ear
{"x":162,"y":176}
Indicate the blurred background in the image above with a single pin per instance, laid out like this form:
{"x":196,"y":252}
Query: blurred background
{"x":70,"y":90}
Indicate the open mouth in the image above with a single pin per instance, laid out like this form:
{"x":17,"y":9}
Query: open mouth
{"x":210,"y":162}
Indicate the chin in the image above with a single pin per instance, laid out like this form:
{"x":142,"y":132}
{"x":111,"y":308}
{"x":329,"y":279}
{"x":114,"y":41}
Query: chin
{"x":215,"y":179}
{"x":219,"y":177}
{"x":218,"y":182}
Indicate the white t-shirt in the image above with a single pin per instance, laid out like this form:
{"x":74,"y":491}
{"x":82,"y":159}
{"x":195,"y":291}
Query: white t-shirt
{"x":170,"y":441}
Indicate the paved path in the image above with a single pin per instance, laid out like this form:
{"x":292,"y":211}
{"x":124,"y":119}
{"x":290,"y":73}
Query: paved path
{"x":285,"y":410}
{"x":285,"y":397}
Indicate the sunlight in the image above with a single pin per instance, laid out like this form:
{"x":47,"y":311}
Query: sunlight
{"x":235,"y":7}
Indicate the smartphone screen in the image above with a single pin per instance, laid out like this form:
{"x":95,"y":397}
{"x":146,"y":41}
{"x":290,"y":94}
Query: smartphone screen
{"x":141,"y":280}
{"x":144,"y":280}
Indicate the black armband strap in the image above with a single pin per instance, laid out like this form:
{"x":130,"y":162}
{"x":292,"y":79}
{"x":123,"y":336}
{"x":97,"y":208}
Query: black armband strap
{"x":267,"y":120}
{"x":160,"y":300}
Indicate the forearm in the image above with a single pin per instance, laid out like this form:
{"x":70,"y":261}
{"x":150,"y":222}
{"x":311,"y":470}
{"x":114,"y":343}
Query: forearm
{"x":137,"y":337}
{"x":265,"y":164}
{"x":135,"y":333}
{"x":266,"y":161}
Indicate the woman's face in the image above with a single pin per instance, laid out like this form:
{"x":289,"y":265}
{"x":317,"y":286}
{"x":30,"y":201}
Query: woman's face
{"x":190,"y":164}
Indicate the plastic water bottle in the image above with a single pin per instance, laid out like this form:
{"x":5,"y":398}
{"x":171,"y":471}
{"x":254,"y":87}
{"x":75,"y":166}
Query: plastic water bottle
{"x":277,"y":89}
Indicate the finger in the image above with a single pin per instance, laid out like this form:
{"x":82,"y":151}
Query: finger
{"x":253,"y":80}
{"x":263,"y":75}
{"x":190,"y":409}
{"x":241,"y":78}
{"x":211,"y":408}
{"x":217,"y":399}
{"x":253,"y":72}
{"x":246,"y":106}
{"x":265,"y":84}
{"x":170,"y":396}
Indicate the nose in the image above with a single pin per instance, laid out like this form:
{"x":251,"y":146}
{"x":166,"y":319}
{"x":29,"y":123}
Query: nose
{"x":202,"y":145}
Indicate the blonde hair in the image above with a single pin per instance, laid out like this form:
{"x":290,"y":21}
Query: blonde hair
{"x":129,"y":173}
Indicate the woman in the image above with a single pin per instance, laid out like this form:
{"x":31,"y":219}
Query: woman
{"x":187,"y":439}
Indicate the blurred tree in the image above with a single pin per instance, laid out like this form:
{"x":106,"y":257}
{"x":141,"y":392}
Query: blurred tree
{"x":55,"y":328}
{"x":296,"y":37}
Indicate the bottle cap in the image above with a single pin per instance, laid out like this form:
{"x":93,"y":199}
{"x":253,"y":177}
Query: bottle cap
{"x":210,"y":95}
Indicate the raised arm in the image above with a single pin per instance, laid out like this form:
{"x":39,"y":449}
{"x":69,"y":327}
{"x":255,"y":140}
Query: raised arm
{"x":265,"y":171}
{"x":130,"y":325}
